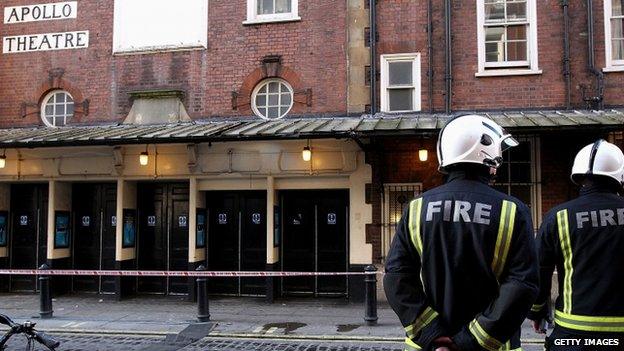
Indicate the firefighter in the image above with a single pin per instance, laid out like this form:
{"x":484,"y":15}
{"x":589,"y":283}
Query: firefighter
{"x":461,"y":273}
{"x":584,"y":240}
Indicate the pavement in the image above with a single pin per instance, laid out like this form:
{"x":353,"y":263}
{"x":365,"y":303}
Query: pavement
{"x":237,"y":321}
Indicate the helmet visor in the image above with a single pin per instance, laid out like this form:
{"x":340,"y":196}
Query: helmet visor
{"x":508,"y":142}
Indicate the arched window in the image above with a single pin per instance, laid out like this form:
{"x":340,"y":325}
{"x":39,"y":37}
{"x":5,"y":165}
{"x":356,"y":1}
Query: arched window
{"x":272,"y":99}
{"x":57,"y":108}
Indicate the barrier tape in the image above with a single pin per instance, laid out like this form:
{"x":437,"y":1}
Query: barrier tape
{"x":72,"y":272}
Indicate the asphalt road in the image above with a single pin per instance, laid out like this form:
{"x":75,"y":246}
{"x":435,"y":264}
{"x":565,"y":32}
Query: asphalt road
{"x":78,"y":342}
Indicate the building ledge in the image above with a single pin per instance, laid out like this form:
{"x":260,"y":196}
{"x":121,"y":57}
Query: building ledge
{"x":508,"y":72}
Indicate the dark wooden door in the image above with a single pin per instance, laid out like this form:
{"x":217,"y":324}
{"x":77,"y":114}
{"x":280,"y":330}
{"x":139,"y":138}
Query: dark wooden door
{"x":163,"y":238}
{"x":94,"y":239}
{"x":28,"y":240}
{"x":152,"y":236}
{"x":87,"y":235}
{"x":109,"y":236}
{"x":299,"y":241}
{"x":332,"y":228}
{"x":237,"y":239}
{"x":253,"y":240}
{"x":315,"y":240}
{"x":223,"y":233}
{"x":178,"y":208}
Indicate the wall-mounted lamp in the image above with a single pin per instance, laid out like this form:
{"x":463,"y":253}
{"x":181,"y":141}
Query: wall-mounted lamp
{"x":423,"y":155}
{"x":3,"y":159}
{"x":306,"y":154}
{"x":144,"y":157}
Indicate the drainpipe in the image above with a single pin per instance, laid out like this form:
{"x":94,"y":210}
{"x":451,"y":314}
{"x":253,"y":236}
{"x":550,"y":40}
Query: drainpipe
{"x":373,"y":56}
{"x":566,"y":52}
{"x":430,"y":52}
{"x":448,"y":74}
{"x":598,"y":100}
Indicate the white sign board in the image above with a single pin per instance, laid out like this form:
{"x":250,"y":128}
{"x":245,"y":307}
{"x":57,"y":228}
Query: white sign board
{"x":41,"y":12}
{"x":154,"y":25}
{"x":45,"y":42}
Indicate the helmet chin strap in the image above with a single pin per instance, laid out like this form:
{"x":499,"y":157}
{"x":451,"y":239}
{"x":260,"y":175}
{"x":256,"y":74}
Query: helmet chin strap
{"x":490,"y":161}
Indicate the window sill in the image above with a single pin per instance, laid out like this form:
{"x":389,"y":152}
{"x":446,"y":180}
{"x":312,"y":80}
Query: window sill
{"x":271,"y":20}
{"x":508,"y":72}
{"x":613,"y":69}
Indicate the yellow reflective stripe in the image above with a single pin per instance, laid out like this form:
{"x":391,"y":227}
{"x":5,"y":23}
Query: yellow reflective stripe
{"x":503,"y":241}
{"x":410,"y":345}
{"x":483,"y":338}
{"x":566,"y":249}
{"x":589,"y":323}
{"x":537,"y":308}
{"x":421,"y":322}
{"x":414,"y":224}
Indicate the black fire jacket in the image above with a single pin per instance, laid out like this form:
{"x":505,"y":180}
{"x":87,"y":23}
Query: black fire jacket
{"x":463,"y":264}
{"x":584,"y":239}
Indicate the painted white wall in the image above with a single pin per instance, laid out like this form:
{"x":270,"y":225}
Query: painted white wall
{"x":154,"y":25}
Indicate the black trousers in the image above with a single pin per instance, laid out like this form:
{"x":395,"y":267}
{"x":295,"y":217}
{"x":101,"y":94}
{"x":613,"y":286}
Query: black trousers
{"x":562,"y":339}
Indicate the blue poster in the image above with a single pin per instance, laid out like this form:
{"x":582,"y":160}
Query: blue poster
{"x":3,"y":228}
{"x":201,"y":229}
{"x":61,"y":230}
{"x":129,"y":228}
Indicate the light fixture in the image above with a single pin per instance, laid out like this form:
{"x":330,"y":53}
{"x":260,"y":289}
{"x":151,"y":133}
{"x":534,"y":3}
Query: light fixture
{"x":307,"y":153}
{"x":423,"y":155}
{"x":144,"y":157}
{"x":3,"y":160}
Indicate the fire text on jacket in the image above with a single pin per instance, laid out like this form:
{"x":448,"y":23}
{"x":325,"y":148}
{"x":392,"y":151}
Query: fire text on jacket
{"x":600,"y":218}
{"x":456,"y":211}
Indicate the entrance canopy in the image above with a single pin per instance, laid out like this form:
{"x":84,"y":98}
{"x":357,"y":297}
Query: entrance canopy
{"x":294,"y":128}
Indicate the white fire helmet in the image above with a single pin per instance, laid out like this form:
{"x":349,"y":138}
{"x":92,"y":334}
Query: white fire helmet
{"x":600,"y":158}
{"x":473,"y":139}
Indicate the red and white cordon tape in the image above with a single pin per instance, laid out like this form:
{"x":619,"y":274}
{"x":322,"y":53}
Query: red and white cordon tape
{"x":73,"y":272}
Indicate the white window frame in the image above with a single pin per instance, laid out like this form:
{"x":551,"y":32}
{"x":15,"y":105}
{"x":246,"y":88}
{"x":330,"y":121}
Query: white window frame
{"x":45,"y":101}
{"x":528,"y":67}
{"x":254,"y":18}
{"x":611,"y":64}
{"x":385,"y":80}
{"x":266,"y":82}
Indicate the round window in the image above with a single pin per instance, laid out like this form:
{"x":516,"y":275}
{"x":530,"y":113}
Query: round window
{"x":57,"y":108}
{"x":272,"y":99}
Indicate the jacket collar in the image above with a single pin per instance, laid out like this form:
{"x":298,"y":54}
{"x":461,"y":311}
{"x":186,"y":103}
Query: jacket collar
{"x":468,"y":175}
{"x":600,"y":187}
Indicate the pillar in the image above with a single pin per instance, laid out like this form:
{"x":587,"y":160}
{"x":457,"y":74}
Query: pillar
{"x":197,"y":252}
{"x":272,"y":250}
{"x":59,"y":233}
{"x":125,"y":248}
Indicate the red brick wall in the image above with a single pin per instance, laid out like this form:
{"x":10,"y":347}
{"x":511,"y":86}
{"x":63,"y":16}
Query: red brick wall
{"x":402,"y":27}
{"x":312,"y":50}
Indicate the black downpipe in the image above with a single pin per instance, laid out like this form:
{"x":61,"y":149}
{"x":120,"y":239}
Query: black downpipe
{"x":448,"y":74}
{"x":566,"y":53}
{"x":430,"y":52}
{"x":598,"y":100}
{"x":373,"y":57}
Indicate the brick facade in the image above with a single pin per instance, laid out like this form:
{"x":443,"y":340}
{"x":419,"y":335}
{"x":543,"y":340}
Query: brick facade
{"x":215,"y":81}
{"x":402,"y":28}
